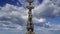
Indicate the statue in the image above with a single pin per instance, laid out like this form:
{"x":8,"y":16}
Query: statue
{"x":30,"y":25}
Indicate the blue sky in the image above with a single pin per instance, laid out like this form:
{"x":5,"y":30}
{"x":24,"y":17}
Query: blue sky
{"x":13,"y":16}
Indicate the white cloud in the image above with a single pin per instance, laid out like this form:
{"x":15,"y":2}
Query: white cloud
{"x":13,"y":17}
{"x":47,"y":10}
{"x":48,"y":26}
{"x":42,"y":20}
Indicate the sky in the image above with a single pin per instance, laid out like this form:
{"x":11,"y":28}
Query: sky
{"x":14,"y":16}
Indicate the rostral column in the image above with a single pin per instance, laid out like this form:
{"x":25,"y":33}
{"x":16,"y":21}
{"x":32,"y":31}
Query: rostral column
{"x":30,"y":25}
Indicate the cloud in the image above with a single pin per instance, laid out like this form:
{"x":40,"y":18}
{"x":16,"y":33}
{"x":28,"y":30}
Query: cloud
{"x":12,"y":17}
{"x":18,"y":15}
{"x":15,"y":18}
{"x":42,"y":20}
{"x":25,"y":3}
{"x":47,"y":9}
{"x":48,"y":32}
{"x":51,"y":29}
{"x":48,"y":26}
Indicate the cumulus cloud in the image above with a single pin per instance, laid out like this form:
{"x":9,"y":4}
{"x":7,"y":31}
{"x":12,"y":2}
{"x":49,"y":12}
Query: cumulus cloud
{"x":47,"y":9}
{"x":48,"y":26}
{"x":12,"y":17}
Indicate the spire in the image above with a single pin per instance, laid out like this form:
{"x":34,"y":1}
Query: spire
{"x":30,"y":25}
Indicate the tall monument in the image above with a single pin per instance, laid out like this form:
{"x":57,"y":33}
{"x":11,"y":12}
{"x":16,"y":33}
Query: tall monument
{"x":30,"y":25}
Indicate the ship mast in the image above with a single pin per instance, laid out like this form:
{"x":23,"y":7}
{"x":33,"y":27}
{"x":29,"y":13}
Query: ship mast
{"x":30,"y":25}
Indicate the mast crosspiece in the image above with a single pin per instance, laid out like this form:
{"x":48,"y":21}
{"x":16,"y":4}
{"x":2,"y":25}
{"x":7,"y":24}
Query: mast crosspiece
{"x":30,"y":25}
